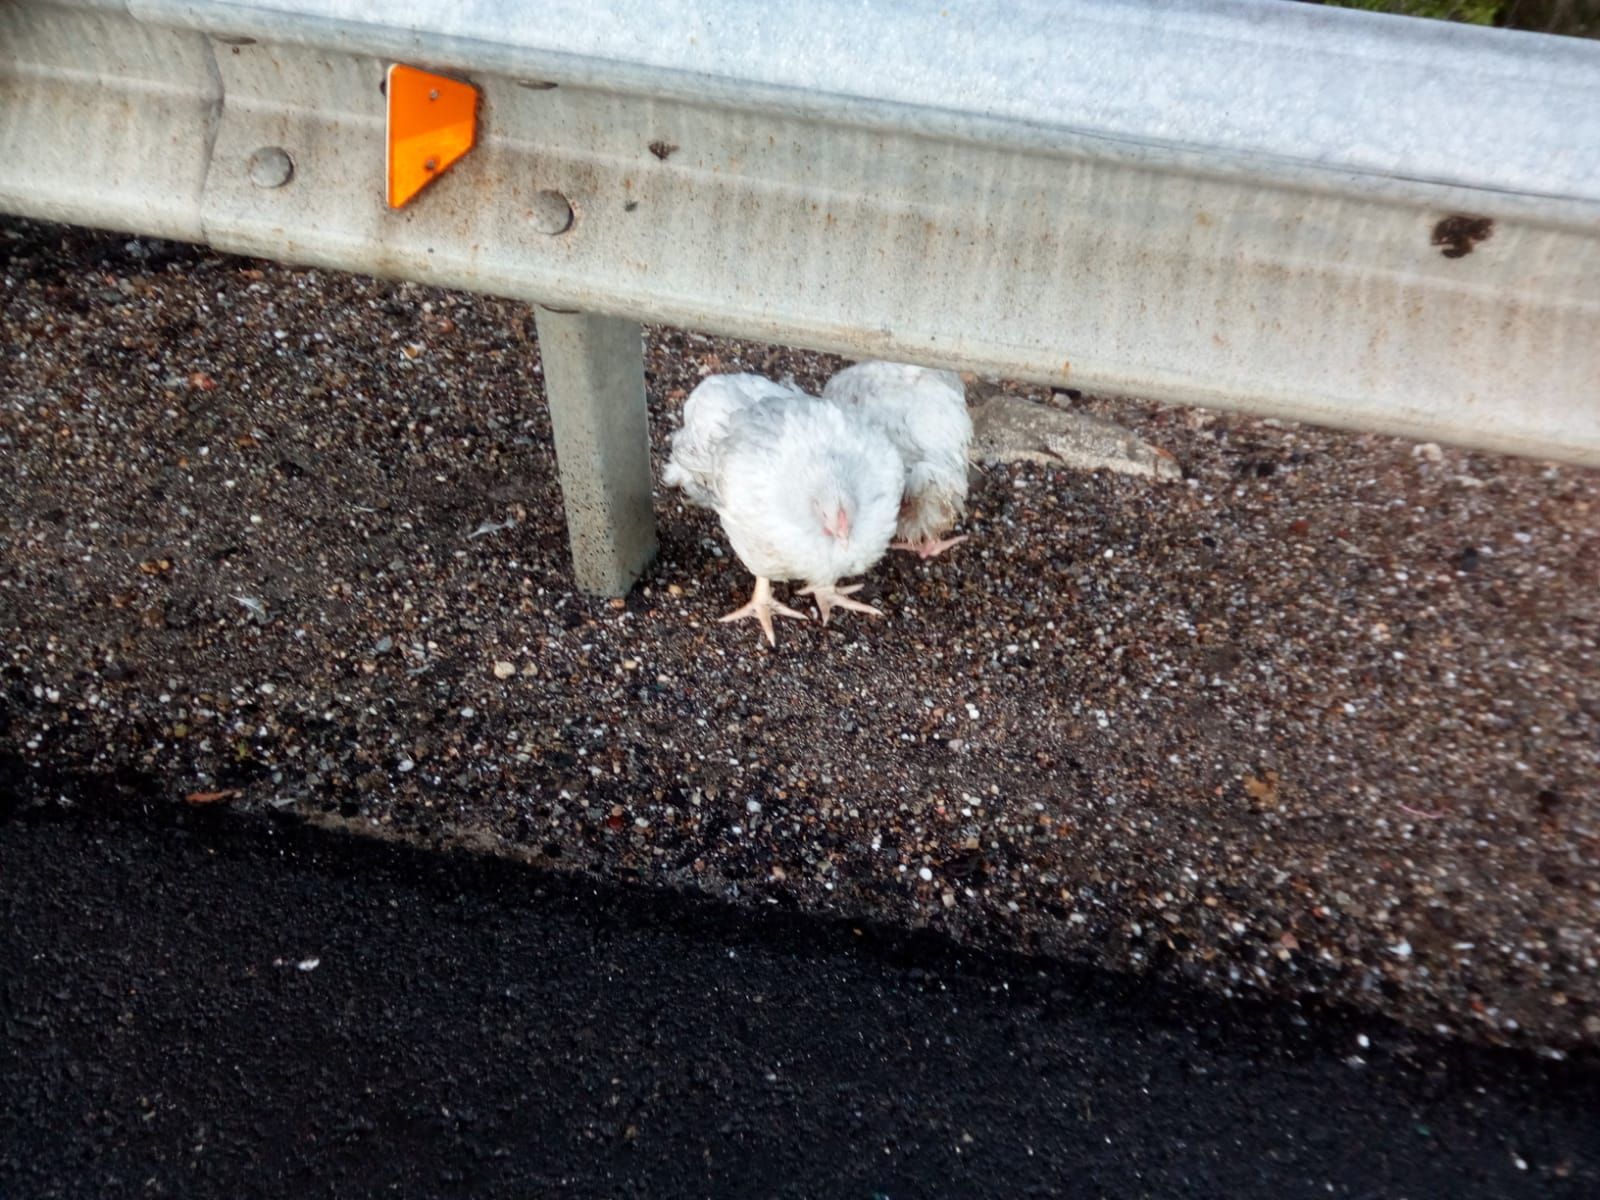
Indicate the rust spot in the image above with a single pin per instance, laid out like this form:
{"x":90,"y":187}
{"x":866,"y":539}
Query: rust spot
{"x":1202,"y":218}
{"x":1460,"y":234}
{"x":663,"y":150}
{"x":1066,"y":366}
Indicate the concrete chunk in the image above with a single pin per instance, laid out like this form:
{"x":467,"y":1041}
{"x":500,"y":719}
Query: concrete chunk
{"x":1010,"y":428}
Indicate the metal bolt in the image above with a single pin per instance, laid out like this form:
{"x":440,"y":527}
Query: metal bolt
{"x":550,"y":213}
{"x":271,"y":167}
{"x":431,"y":164}
{"x":433,"y":93}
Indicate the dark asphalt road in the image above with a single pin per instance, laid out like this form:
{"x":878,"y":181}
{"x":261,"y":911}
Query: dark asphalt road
{"x":200,"y":1005}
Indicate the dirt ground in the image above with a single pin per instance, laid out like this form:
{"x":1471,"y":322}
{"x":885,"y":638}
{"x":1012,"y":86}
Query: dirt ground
{"x":1322,"y":717}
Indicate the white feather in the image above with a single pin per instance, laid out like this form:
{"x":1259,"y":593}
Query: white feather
{"x":776,"y":465}
{"x":695,"y":465}
{"x":923,"y":412}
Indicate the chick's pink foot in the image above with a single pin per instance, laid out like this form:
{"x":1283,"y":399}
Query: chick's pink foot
{"x":829,"y":597}
{"x":929,"y":547}
{"x":762,"y":606}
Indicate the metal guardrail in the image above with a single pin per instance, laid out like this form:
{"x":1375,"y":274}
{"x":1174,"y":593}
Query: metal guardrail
{"x":1350,"y":219}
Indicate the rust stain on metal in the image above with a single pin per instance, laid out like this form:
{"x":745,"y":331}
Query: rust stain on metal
{"x":1460,"y":234}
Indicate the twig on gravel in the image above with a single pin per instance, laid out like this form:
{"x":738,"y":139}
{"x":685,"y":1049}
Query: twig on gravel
{"x":1425,"y":816}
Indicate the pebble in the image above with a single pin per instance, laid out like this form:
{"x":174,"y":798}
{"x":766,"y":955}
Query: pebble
{"x":504,"y":670}
{"x":926,"y":875}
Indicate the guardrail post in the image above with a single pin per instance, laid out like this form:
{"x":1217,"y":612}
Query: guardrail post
{"x":594,"y":381}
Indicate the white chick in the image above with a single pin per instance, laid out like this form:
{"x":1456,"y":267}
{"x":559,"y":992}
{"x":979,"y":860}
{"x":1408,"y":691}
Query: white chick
{"x":924,"y":413}
{"x":803,"y":490}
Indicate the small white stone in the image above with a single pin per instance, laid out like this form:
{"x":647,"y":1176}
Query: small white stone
{"x":752,"y":806}
{"x":504,"y":670}
{"x":405,"y":765}
{"x":1402,"y":950}
{"x":926,"y":875}
{"x":469,"y":712}
{"x":308,"y":964}
{"x":1428,"y":452}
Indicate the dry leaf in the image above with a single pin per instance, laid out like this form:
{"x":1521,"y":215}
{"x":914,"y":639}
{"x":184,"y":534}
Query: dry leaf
{"x":1263,"y":791}
{"x":210,"y":797}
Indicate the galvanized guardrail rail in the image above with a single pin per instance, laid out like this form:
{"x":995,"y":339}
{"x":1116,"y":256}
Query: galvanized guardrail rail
{"x":1356,"y":220}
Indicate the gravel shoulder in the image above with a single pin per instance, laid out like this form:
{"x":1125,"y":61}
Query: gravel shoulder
{"x":1320,"y":718}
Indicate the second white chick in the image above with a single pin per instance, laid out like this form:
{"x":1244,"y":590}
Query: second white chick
{"x":804,"y":489}
{"x":924,"y":413}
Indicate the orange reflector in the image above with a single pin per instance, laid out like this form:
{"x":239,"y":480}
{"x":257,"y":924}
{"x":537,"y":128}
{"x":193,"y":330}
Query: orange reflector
{"x":433,"y":121}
